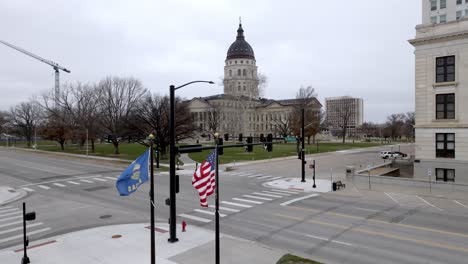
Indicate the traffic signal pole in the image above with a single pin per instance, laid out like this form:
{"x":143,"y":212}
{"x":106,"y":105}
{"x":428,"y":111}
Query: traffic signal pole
{"x":303,"y":147}
{"x":172,"y":169}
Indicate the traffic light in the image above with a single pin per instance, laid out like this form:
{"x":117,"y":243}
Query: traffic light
{"x":226,"y":136}
{"x":249,"y":147}
{"x":269,"y":143}
{"x":240,"y":137}
{"x":220,"y":143}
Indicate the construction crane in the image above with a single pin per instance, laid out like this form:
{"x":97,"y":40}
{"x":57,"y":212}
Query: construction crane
{"x":54,"y":65}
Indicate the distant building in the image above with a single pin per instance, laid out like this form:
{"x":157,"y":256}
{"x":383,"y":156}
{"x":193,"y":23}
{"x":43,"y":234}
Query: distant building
{"x":441,"y":56}
{"x":337,"y":108}
{"x":443,"y":11}
{"x":240,"y":110}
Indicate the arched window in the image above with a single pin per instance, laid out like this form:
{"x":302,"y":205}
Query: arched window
{"x":238,"y":72}
{"x":244,"y":72}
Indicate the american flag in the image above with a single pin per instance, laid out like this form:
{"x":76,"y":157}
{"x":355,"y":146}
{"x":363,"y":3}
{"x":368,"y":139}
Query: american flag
{"x":204,"y":178}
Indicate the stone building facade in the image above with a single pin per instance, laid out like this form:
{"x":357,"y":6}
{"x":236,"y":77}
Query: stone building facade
{"x":240,"y":109}
{"x":441,"y":75}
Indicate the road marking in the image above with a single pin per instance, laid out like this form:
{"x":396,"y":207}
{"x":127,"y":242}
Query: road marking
{"x":264,"y":177}
{"x":20,"y":236}
{"x":298,"y":199}
{"x":111,"y":178}
{"x":6,"y":207}
{"x":11,"y":218}
{"x":72,"y":182}
{"x":428,"y":203}
{"x":256,"y":197}
{"x":275,"y":178}
{"x":10,"y":214}
{"x":98,"y":179}
{"x":9,"y":210}
{"x":244,"y":174}
{"x":19,"y":228}
{"x":237,"y":204}
{"x":28,"y":189}
{"x":59,"y":184}
{"x":282,"y":191}
{"x":44,"y":187}
{"x":247,"y":201}
{"x":393,"y":199}
{"x":12,"y":223}
{"x":87,"y":181}
{"x":255,"y":175}
{"x":208,"y":212}
{"x":365,"y":209}
{"x":332,"y":241}
{"x":236,"y":173}
{"x":225,"y":209}
{"x":268,"y":195}
{"x":284,"y":194}
{"x":457,"y":202}
{"x":196,"y":218}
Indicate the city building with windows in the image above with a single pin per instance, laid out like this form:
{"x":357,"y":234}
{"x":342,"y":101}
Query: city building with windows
{"x":240,"y":109}
{"x":441,"y":83}
{"x":344,"y":110}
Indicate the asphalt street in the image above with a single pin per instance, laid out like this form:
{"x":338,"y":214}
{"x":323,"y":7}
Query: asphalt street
{"x":366,"y":227}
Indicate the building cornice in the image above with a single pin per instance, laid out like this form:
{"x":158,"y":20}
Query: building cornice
{"x":439,"y":38}
{"x":442,"y":126}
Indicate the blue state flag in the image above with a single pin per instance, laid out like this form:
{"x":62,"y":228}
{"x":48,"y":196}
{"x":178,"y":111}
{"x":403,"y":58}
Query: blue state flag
{"x":135,"y":175}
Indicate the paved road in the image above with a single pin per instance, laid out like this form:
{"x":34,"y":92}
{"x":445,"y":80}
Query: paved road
{"x":370,"y":227}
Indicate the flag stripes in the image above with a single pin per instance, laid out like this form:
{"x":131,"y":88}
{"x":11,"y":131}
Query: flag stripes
{"x":204,"y":179}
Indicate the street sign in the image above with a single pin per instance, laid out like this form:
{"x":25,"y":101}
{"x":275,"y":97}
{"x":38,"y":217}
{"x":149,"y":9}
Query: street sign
{"x":311,"y":166}
{"x":290,"y":139}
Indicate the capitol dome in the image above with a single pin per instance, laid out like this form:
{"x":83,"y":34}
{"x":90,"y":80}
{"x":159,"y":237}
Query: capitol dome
{"x":240,"y":49}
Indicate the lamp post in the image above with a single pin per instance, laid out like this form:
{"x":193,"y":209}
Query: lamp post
{"x":172,"y":150}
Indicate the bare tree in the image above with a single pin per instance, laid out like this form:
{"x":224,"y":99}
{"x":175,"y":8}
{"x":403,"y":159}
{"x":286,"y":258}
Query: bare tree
{"x":262,"y":84}
{"x":26,"y":116}
{"x":3,"y":121}
{"x":408,"y":127}
{"x":119,"y":97}
{"x":395,"y":124}
{"x":306,"y":98}
{"x":213,"y":123}
{"x":341,"y":116}
{"x":283,"y":126}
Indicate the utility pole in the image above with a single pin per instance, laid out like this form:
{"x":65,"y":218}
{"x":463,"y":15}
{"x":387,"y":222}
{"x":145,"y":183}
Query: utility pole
{"x":303,"y":147}
{"x":172,"y":171}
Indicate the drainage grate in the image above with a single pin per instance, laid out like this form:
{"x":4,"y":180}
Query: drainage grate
{"x":97,"y":188}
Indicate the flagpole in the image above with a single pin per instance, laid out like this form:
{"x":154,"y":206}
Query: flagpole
{"x":153,"y":242}
{"x":217,"y":203}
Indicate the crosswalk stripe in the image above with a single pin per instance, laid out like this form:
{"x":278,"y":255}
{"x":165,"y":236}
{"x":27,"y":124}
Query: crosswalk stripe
{"x":11,"y":218}
{"x":10,"y":214}
{"x":277,"y":193}
{"x":208,"y":212}
{"x":19,"y":228}
{"x":59,"y":184}
{"x":264,"y":177}
{"x":29,"y":233}
{"x":244,"y":174}
{"x":256,"y":197}
{"x":44,"y":187}
{"x":11,"y":223}
{"x":281,"y":191}
{"x":255,"y":175}
{"x":225,"y":208}
{"x":6,"y":207}
{"x":236,"y":173}
{"x":8,"y":210}
{"x":72,"y":182}
{"x":269,"y":195}
{"x":275,"y":178}
{"x":98,"y":179}
{"x":111,"y":178}
{"x":87,"y":181}
{"x":28,"y":189}
{"x":237,"y":204}
{"x":196,"y":218}
{"x":247,"y":201}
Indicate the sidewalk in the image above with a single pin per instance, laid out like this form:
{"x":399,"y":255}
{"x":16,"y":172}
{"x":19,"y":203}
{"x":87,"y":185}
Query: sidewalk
{"x":8,"y":194}
{"x":122,"y":244}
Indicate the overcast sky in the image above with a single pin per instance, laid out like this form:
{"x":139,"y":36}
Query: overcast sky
{"x":356,"y":48}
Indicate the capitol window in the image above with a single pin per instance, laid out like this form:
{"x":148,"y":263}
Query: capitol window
{"x":244,"y":72}
{"x":230,"y":73}
{"x":238,"y":72}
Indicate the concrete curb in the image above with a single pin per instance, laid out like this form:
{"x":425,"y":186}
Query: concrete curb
{"x":21,"y":195}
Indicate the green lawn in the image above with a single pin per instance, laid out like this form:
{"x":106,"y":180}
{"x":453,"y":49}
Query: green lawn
{"x":279,"y":150}
{"x":291,"y":259}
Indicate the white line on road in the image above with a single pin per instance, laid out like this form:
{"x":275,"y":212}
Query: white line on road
{"x":281,"y":191}
{"x":236,"y":173}
{"x":393,"y":199}
{"x":208,"y":212}
{"x":264,"y":177}
{"x":333,"y":241}
{"x":225,"y":208}
{"x":275,"y":178}
{"x":87,"y":181}
{"x":12,"y":223}
{"x":59,"y":184}
{"x":245,"y":174}
{"x":428,"y":203}
{"x":11,"y":218}
{"x":237,"y":204}
{"x":277,"y":193}
{"x":298,"y":199}
{"x":6,"y":207}
{"x":255,"y":175}
{"x":20,"y":236}
{"x":28,"y":189}
{"x":19,"y":228}
{"x":268,"y":195}
{"x":111,"y":178}
{"x":365,"y":209}
{"x":72,"y":182}
{"x":256,"y":197}
{"x":10,"y":214}
{"x":196,"y":218}
{"x":8,"y":210}
{"x":457,"y":202}
{"x":247,"y":201}
{"x":98,"y":179}
{"x":44,"y":187}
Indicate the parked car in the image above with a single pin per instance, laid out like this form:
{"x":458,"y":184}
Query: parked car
{"x":391,"y":154}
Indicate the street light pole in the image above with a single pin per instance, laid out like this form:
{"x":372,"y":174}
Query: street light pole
{"x":172,"y":155}
{"x":303,"y":146}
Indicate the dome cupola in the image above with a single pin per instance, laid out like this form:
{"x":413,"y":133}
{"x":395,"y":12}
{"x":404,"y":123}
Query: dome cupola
{"x":240,"y":49}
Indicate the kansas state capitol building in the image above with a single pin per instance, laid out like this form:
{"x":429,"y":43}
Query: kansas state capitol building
{"x":240,"y":109}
